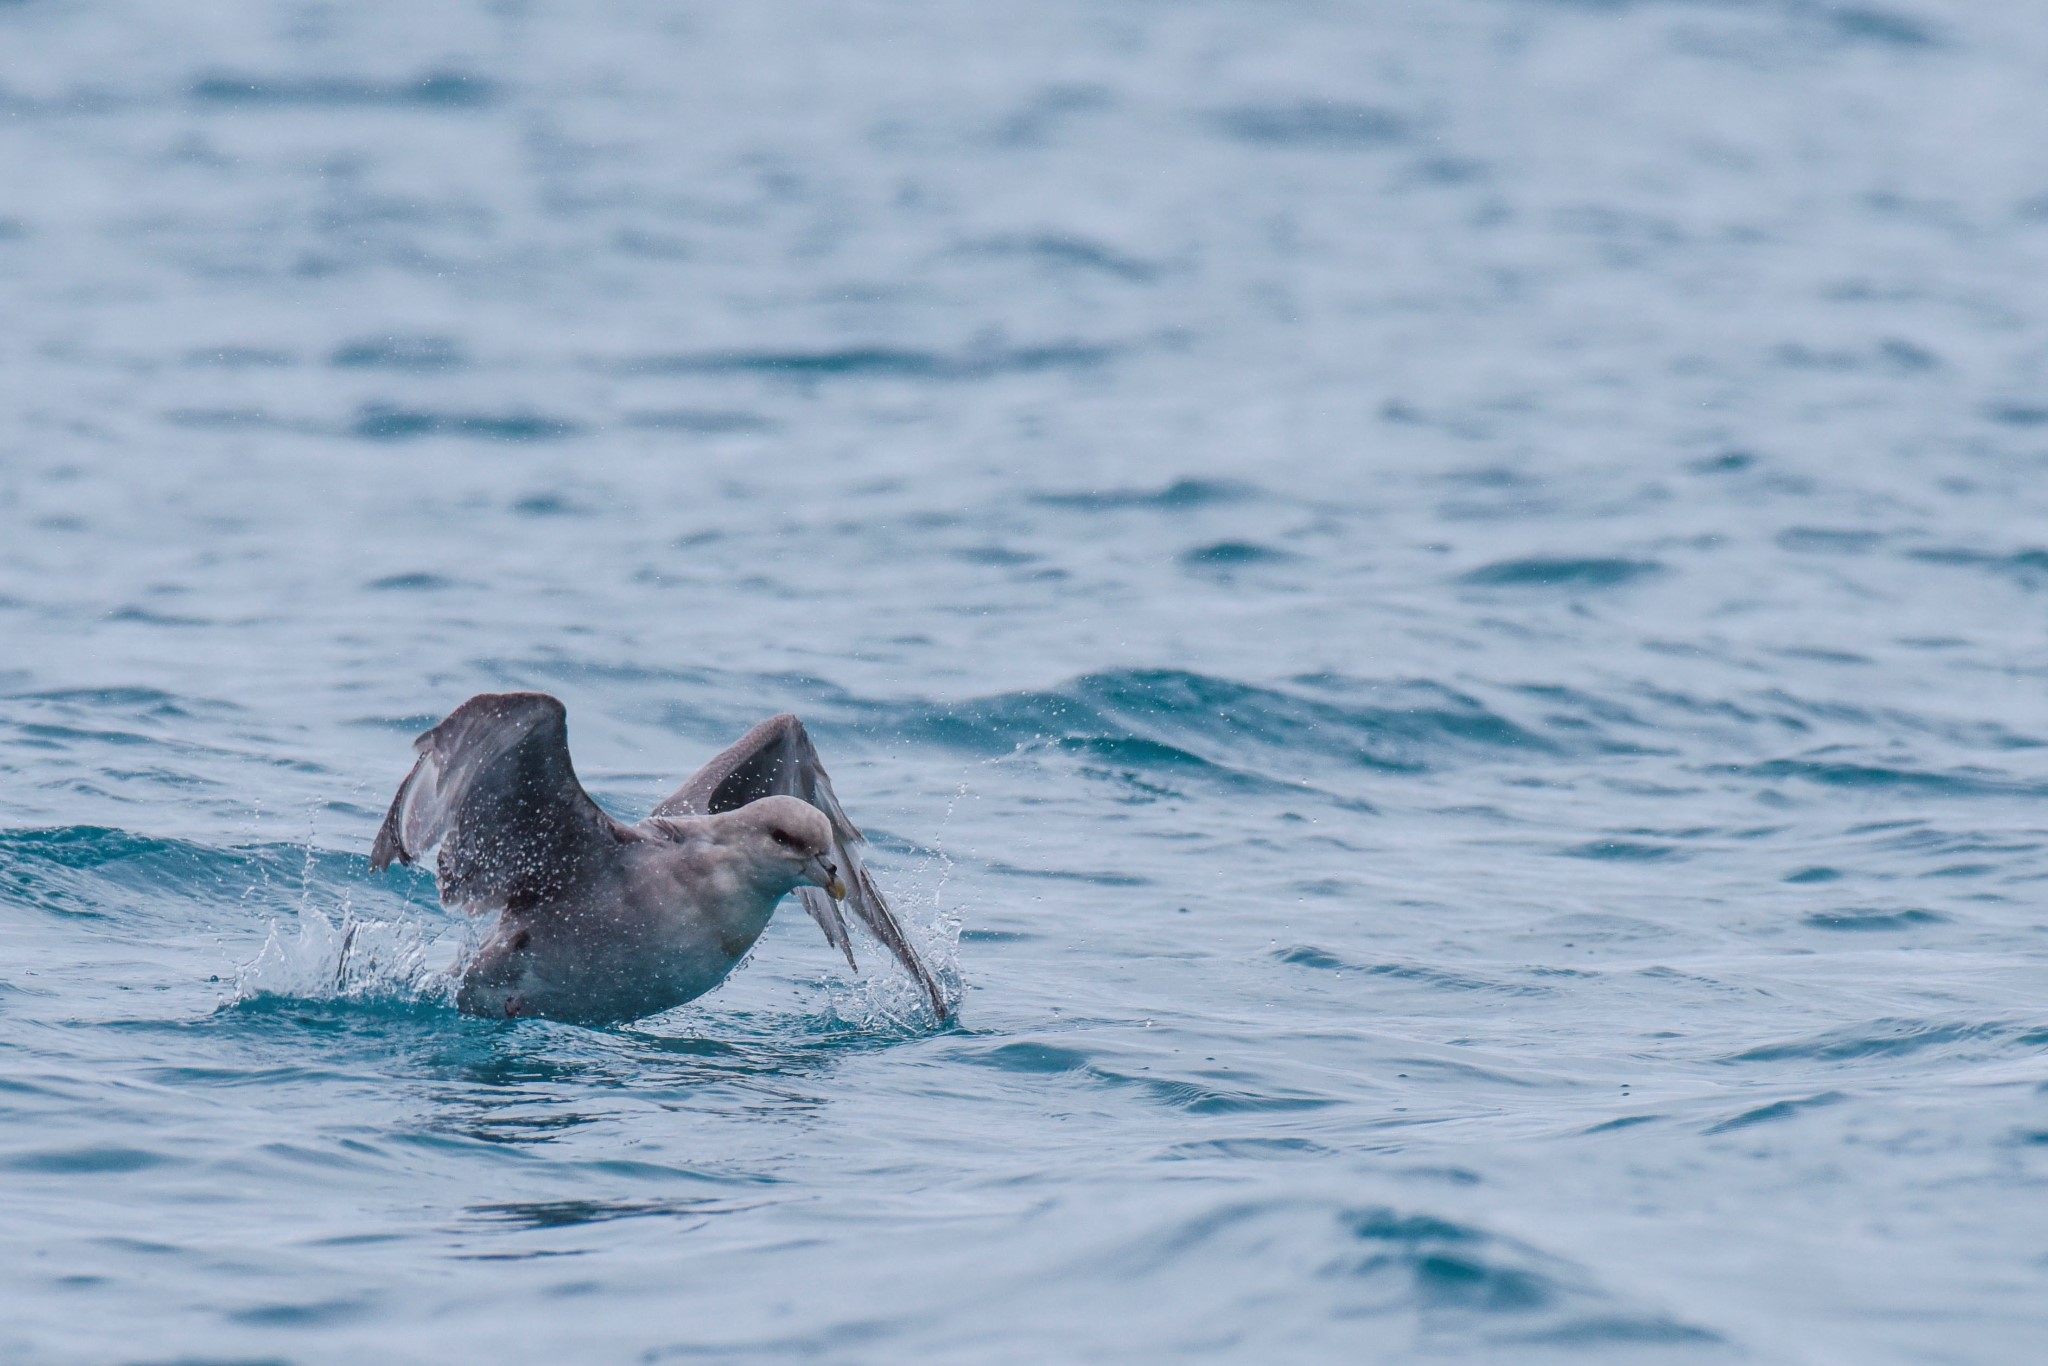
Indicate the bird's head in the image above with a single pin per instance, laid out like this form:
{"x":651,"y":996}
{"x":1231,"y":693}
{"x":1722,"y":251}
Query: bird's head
{"x":785,"y":832}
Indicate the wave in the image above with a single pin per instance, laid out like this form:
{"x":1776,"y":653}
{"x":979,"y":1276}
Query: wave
{"x":1182,"y":495}
{"x":1551,"y":571}
{"x":1968,"y":781}
{"x":2028,"y":568}
{"x":1227,"y":555}
{"x":386,"y":422}
{"x":1883,"y":1039}
{"x":1310,"y":956}
{"x":1320,"y":125}
{"x":1822,"y":25}
{"x":400,"y":353}
{"x":1069,"y":252}
{"x":1457,"y":1282}
{"x":1158,"y":731}
{"x":433,"y":89}
{"x":98,"y":872}
{"x":1180,"y":724}
{"x":884,"y":362}
{"x":1866,"y":919}
{"x":148,"y":701}
{"x":1776,"y":1111}
{"x":1163,"y":727}
{"x":1173,"y":719}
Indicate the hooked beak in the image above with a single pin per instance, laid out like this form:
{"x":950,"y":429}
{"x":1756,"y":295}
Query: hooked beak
{"x":819,"y":872}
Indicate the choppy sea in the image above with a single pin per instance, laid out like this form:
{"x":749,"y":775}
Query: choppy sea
{"x":1439,"y":607}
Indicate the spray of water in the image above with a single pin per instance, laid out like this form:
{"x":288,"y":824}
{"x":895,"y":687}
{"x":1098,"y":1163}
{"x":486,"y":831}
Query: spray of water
{"x":328,"y":951}
{"x":891,"y":1000}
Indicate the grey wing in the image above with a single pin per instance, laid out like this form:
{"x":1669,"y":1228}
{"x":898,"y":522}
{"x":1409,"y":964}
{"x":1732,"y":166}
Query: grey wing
{"x":776,"y":758}
{"x":494,"y":788}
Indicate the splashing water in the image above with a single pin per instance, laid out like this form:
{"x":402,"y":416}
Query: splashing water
{"x":356,"y":959}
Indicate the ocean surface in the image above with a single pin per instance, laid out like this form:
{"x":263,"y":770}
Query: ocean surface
{"x":1438,"y":608}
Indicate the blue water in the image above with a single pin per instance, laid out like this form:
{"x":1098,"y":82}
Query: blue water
{"x":1439,"y":607}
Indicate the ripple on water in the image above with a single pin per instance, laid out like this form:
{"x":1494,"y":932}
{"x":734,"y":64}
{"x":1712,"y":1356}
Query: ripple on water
{"x":448,"y":89}
{"x":1450,"y":1283}
{"x":1031,"y":1058}
{"x":419,"y":581}
{"x":1969,"y":781}
{"x":868,"y":362}
{"x":1228,"y":555}
{"x":1548,"y":571}
{"x":1317,"y":125}
{"x":1309,"y":956}
{"x":1884,"y":1039}
{"x":1871,"y":919}
{"x":391,"y":423}
{"x":1182,"y":495}
{"x":1776,"y":1112}
{"x":553,"y":1214}
{"x":90,"y":1160}
{"x":400,"y":353}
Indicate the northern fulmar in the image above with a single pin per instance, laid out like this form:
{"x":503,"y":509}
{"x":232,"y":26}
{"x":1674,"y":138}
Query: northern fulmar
{"x":602,"y":921}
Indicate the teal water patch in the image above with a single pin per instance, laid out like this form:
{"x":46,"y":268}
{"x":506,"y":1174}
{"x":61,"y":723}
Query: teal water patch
{"x":400,"y":353}
{"x":1318,"y":124}
{"x":883,"y":362}
{"x":1880,"y":1039}
{"x":386,"y":422}
{"x":1964,"y":782}
{"x":1182,"y":495}
{"x":1233,"y":555}
{"x":1777,"y":1112}
{"x":1543,"y":571}
{"x":1873,"y":919}
{"x":450,"y":89}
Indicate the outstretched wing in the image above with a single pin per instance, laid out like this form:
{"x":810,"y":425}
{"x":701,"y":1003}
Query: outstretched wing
{"x":776,"y":758}
{"x":495,"y":789}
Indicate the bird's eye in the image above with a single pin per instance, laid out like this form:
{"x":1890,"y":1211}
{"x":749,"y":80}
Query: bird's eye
{"x":783,"y":838}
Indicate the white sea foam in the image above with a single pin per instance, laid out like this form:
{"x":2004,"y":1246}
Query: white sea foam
{"x":355,"y":958}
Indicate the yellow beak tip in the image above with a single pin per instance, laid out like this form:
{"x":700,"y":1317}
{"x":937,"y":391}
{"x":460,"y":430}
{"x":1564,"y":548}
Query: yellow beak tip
{"x":837,"y":891}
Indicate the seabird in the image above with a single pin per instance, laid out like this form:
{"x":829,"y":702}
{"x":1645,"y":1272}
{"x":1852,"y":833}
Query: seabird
{"x":601,"y":921}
